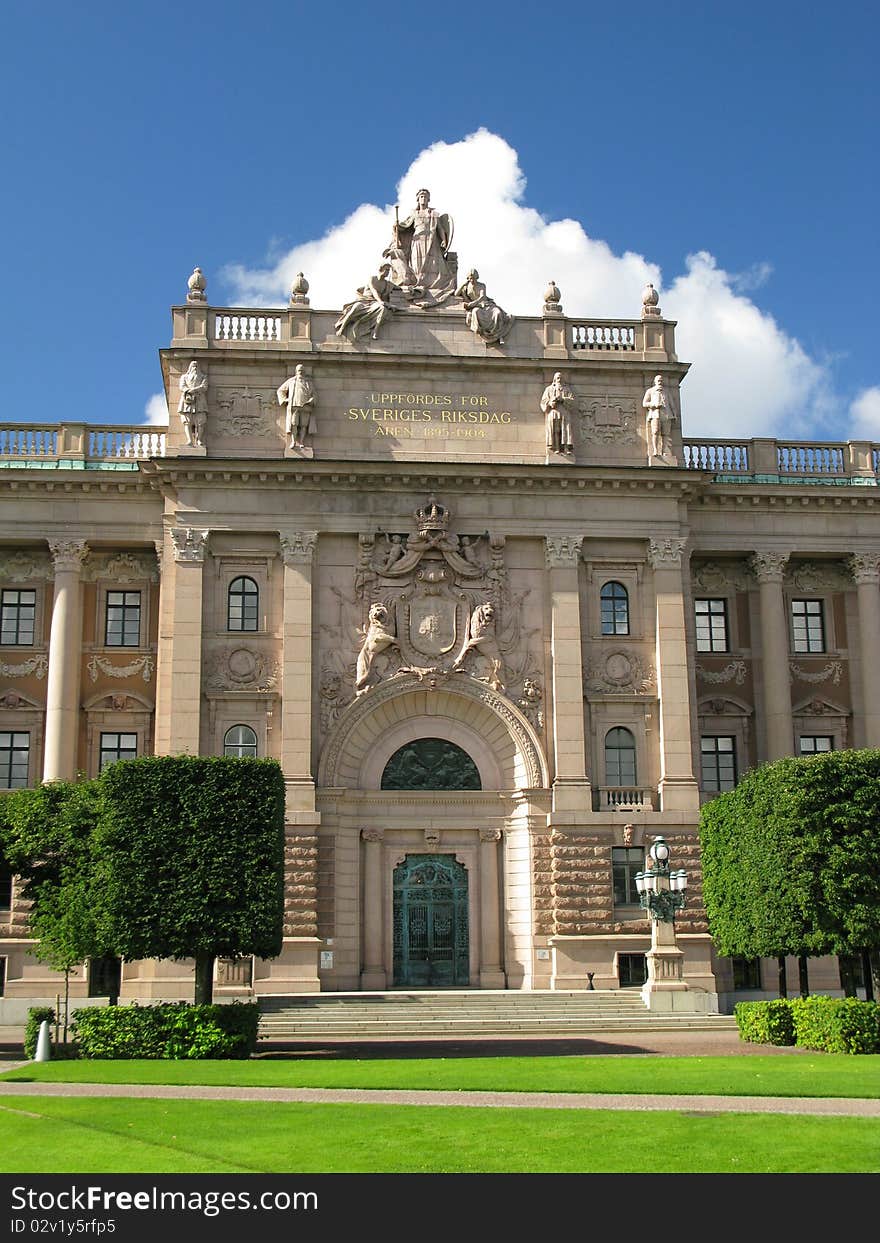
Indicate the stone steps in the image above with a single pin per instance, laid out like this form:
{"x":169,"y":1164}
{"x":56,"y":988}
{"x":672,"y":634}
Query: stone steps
{"x":390,"y":1016}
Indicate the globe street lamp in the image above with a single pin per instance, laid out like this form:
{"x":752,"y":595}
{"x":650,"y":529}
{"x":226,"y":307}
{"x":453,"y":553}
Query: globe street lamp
{"x":661,"y":891}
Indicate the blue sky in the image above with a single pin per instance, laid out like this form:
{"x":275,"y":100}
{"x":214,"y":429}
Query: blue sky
{"x":142,"y":139}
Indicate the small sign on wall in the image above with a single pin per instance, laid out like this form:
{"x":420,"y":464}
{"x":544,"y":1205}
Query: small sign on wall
{"x":326,"y":959}
{"x":543,"y":955}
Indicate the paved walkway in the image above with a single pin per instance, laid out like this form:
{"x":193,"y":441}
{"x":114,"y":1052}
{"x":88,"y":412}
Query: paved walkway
{"x":824,"y":1106}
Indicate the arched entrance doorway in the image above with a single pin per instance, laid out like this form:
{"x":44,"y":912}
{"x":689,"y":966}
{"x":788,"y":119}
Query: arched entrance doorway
{"x":431,"y":945}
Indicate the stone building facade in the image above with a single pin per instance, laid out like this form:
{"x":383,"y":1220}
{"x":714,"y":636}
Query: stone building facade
{"x":500,"y":623}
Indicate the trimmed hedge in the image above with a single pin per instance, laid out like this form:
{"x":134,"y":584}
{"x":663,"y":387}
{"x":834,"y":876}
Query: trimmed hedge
{"x":765,"y":1022}
{"x":36,"y":1015}
{"x":827,"y":1024}
{"x":175,"y":1030}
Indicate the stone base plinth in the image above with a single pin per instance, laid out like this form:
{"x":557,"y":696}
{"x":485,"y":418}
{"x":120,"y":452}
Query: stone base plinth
{"x":295,"y":970}
{"x":374,"y":981}
{"x":492,"y":977}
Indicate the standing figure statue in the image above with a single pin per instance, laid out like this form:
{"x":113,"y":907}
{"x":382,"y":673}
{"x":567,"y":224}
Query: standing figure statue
{"x":484,"y":317}
{"x":193,"y":404}
{"x":298,"y":394}
{"x":367,"y":313}
{"x":423,"y":240}
{"x":378,"y":636}
{"x":555,"y":402}
{"x":658,"y":421}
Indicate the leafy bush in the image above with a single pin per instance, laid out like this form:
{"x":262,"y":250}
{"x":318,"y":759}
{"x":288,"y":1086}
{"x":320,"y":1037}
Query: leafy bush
{"x":168,"y":1030}
{"x":36,"y":1015}
{"x":836,"y":1025}
{"x":765,"y":1022}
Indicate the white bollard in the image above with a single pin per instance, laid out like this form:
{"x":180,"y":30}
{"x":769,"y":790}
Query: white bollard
{"x":44,"y":1044}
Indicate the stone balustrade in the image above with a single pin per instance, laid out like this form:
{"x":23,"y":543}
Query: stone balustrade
{"x":766,"y":460}
{"x":625,"y":798}
{"x":79,"y":442}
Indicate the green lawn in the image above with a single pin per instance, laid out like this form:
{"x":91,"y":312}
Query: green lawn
{"x":67,"y":1135}
{"x":820,"y":1074}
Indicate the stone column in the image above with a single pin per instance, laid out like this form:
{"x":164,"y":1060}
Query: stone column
{"x":373,"y":977}
{"x":865,"y":569}
{"x":491,"y":969}
{"x":65,"y":661}
{"x":571,"y":787}
{"x":678,"y":788}
{"x":297,"y":552}
{"x":769,"y":568}
{"x":179,"y":665}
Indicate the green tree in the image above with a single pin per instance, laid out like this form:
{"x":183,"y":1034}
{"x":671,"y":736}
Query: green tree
{"x":190,"y":860}
{"x":48,"y":838}
{"x":791,"y":858}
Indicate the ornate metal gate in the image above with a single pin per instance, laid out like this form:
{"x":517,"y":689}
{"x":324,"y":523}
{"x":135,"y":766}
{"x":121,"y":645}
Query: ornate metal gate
{"x":431,"y":923}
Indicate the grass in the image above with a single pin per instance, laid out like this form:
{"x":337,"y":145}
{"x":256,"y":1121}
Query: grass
{"x":68,"y":1135}
{"x":808,"y":1075}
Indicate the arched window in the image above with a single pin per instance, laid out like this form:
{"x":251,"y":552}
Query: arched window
{"x":243,"y":608}
{"x":240,"y":742}
{"x":615,"y":609}
{"x":430,"y":764}
{"x":620,"y":758}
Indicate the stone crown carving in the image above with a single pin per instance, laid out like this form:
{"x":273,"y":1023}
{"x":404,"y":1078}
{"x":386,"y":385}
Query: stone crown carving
{"x":768,"y":567}
{"x":562,"y":550}
{"x":666,"y":553}
{"x":298,"y":547}
{"x":189,"y":544}
{"x":68,"y":554}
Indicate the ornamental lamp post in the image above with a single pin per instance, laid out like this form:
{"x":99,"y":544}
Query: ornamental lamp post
{"x":661,"y":893}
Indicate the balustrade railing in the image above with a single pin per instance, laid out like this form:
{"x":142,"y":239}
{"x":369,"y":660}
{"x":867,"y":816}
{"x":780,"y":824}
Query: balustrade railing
{"x":247,"y":326}
{"x":807,"y":459}
{"x":720,"y":456}
{"x":17,"y":440}
{"x":599,"y":336}
{"x":625,"y":798}
{"x":78,"y":442}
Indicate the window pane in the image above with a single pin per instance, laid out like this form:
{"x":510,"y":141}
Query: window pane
{"x":243,"y":605}
{"x":717,"y":763}
{"x":123,"y":625}
{"x":14,"y":759}
{"x":117,"y":746}
{"x":625,"y":862}
{"x":620,"y":758}
{"x":17,"y":612}
{"x":614,"y":603}
{"x":746,"y":972}
{"x":240,"y":742}
{"x":808,"y":625}
{"x":815,"y":744}
{"x":711,"y":625}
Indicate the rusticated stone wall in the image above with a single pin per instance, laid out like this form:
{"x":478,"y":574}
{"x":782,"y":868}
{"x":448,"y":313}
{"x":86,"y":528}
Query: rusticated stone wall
{"x":684,"y":852}
{"x":301,"y":885}
{"x":542,"y":861}
{"x":326,"y":901}
{"x":581,"y":883}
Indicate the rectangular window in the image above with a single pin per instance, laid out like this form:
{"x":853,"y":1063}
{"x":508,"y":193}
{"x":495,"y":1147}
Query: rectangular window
{"x":117,"y":747}
{"x":123,"y":623}
{"x":632,"y":970}
{"x":17,"y":612}
{"x":808,"y":625}
{"x":816,"y":744}
{"x":746,"y":973}
{"x":5,"y":886}
{"x":711,"y":620}
{"x":15,"y":754}
{"x":717,"y":763}
{"x":625,"y":862}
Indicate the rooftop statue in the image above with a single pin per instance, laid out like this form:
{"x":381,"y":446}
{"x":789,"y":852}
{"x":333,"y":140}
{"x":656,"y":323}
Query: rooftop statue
{"x":422,"y":264}
{"x":658,"y":422}
{"x":193,"y":404}
{"x":484,"y":317}
{"x":369,"y":310}
{"x":555,"y":402}
{"x":297,"y":393}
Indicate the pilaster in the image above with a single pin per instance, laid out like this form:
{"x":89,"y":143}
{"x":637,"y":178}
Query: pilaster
{"x":297,"y":552}
{"x":179,"y":663}
{"x":769,"y":568}
{"x":373,"y":975}
{"x":491,"y":969}
{"x":571,"y":788}
{"x":865,"y":569}
{"x":678,"y":787}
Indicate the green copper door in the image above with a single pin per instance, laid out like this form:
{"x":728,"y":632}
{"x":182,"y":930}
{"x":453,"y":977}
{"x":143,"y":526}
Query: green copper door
{"x":430,"y":923}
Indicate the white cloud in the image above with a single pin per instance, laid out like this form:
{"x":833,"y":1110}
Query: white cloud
{"x":156,"y":410}
{"x":865,"y":414}
{"x":748,"y":376}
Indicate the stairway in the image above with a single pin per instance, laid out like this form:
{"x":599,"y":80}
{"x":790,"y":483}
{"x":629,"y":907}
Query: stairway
{"x":469,"y":1015}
